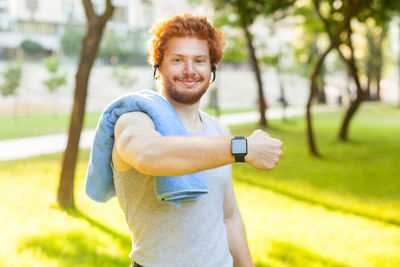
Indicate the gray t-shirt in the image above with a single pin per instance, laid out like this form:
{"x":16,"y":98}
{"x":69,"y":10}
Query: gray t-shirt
{"x":164,"y":235}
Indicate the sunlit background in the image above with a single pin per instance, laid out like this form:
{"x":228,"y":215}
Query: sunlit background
{"x":334,"y":198}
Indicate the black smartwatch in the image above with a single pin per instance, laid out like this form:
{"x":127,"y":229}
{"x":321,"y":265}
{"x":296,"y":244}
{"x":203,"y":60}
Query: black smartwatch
{"x":239,"y":148}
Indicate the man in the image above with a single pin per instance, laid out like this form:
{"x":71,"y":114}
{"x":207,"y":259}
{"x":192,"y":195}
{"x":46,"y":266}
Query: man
{"x":209,"y":231}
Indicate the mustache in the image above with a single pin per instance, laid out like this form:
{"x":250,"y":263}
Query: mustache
{"x":188,"y":77}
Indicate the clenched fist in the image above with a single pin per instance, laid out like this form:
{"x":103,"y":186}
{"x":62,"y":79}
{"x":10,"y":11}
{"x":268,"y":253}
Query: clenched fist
{"x":263,"y":150}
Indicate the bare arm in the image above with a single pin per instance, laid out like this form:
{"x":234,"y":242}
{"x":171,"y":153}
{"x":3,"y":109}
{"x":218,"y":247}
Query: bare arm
{"x":235,"y":230}
{"x":139,"y":145}
{"x":234,"y":225}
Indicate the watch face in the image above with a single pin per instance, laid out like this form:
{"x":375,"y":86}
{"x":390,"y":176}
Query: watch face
{"x":239,"y":146}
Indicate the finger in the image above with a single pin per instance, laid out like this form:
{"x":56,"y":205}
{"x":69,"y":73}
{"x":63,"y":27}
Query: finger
{"x":265,"y":133}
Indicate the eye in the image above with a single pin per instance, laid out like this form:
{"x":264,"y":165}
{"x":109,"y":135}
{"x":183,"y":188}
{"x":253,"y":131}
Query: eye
{"x":177,"y":60}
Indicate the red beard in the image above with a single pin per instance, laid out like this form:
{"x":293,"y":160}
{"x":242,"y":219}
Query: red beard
{"x":187,"y":96}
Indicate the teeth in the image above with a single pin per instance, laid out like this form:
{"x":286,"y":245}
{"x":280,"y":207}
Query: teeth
{"x":188,"y":83}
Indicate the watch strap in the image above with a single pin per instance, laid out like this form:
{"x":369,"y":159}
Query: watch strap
{"x":239,"y":158}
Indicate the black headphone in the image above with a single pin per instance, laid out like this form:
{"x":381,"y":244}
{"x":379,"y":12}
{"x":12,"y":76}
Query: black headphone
{"x":156,"y":66}
{"x":213,"y":69}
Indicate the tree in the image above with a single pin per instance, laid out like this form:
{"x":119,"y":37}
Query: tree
{"x":275,"y":61}
{"x":374,"y":60}
{"x":71,"y":41}
{"x":235,"y":50}
{"x":95,"y":27}
{"x":308,"y":48}
{"x":337,"y":18}
{"x":32,"y":48}
{"x":55,"y":80}
{"x":334,"y":29}
{"x":381,"y":12}
{"x":127,"y":49}
{"x":12,"y":78}
{"x":246,"y":12}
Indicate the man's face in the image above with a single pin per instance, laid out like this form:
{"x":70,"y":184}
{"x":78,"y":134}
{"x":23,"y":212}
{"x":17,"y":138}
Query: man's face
{"x":185,"y":70}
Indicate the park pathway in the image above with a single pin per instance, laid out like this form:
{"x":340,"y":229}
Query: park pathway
{"x":32,"y":146}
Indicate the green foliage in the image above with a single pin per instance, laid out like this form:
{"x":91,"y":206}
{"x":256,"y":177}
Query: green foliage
{"x":336,"y":17}
{"x":121,"y":74}
{"x":127,"y":48}
{"x":334,"y":13}
{"x":55,"y":80}
{"x":51,"y":63}
{"x":382,"y":11}
{"x":12,"y":78}
{"x":307,"y":50}
{"x":248,"y":11}
{"x":239,"y":13}
{"x":235,"y":51}
{"x":374,"y":61}
{"x":31,"y":48}
{"x":71,"y":41}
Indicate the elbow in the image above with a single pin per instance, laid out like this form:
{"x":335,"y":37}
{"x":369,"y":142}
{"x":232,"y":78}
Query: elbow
{"x":142,"y":158}
{"x":144,"y":163}
{"x":150,"y":161}
{"x":232,"y":216}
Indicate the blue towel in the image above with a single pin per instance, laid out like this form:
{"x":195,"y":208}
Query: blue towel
{"x":99,"y":184}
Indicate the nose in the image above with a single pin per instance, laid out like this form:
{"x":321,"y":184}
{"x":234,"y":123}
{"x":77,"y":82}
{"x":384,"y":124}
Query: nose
{"x":188,"y":68}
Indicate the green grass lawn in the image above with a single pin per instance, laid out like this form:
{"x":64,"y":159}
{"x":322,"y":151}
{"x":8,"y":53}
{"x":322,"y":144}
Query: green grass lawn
{"x":341,"y":210}
{"x":40,"y":124}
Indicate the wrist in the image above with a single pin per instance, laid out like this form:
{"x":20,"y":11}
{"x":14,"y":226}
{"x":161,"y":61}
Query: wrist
{"x":239,"y":148}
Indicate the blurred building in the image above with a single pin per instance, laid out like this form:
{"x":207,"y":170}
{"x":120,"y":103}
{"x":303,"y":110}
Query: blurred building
{"x":45,"y":21}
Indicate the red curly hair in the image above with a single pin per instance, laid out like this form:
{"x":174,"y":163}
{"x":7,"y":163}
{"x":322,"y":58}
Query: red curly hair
{"x":185,"y":25}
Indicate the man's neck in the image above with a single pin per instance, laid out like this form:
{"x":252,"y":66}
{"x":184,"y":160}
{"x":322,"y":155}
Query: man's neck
{"x":189,"y":114}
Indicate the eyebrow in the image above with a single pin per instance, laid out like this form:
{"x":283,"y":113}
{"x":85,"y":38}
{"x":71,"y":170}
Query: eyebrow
{"x":180,"y":55}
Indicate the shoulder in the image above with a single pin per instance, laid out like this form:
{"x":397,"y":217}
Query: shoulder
{"x":222,"y":127}
{"x":134,"y":120}
{"x":225,"y":130}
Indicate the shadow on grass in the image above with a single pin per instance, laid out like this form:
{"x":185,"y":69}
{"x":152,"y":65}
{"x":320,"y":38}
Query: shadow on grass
{"x":73,"y":249}
{"x":76,"y":248}
{"x":326,"y":205}
{"x":289,"y":254}
{"x":122,"y":239}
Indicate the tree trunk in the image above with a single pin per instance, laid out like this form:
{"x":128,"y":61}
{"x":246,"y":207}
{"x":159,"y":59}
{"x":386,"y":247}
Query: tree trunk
{"x":256,"y":69}
{"x":313,"y":91}
{"x":321,"y":93}
{"x":378,"y":85}
{"x":368,"y":95}
{"x":343,"y":133}
{"x":96,"y":25}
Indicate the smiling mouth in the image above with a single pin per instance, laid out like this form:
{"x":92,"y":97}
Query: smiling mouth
{"x":188,"y":83}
